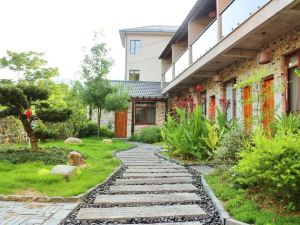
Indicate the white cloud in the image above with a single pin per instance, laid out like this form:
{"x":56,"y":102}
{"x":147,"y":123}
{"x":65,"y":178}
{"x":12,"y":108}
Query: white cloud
{"x":61,"y":28}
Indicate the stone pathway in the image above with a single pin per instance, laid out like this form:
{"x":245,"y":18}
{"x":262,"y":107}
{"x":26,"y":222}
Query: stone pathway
{"x":17,"y":213}
{"x":151,"y":190}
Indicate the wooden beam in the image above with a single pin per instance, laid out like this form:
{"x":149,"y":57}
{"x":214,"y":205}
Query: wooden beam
{"x":241,"y":53}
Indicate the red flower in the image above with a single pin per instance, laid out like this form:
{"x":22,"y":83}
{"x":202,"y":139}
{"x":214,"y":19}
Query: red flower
{"x":28,"y":113}
{"x":199,"y":87}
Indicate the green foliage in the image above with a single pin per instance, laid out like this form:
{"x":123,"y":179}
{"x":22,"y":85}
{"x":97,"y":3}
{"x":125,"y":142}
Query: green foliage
{"x":43,"y":133}
{"x":231,"y":144}
{"x":97,"y":63}
{"x":148,"y":135}
{"x":289,"y":123}
{"x":117,"y":101}
{"x":90,"y":129}
{"x":53,"y":115}
{"x":297,"y":71}
{"x":272,"y":165}
{"x":241,"y":207}
{"x":212,"y":139}
{"x":34,"y":92}
{"x":49,"y":156}
{"x":184,"y":134}
{"x":31,"y":64}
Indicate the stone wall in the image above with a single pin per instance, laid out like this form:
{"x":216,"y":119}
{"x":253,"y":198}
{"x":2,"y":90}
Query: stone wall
{"x":11,"y":131}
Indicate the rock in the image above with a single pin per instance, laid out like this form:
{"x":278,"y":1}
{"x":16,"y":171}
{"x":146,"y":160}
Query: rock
{"x":6,"y":141}
{"x":64,"y":170}
{"x":107,"y":141}
{"x":75,"y":159}
{"x":72,"y":140}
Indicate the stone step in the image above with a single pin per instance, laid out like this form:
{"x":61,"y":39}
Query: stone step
{"x":171,"y":180}
{"x":119,"y":189}
{"x":120,"y":214}
{"x":145,"y":175}
{"x":138,"y":199}
{"x":155,"y":167}
{"x":164,"y":164}
{"x":163,"y":170}
{"x":143,"y":161}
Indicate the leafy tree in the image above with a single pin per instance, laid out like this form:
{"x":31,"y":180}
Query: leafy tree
{"x":30,"y":65}
{"x":18,"y":100}
{"x":95,"y":93}
{"x":27,"y":99}
{"x":118,"y":100}
{"x":97,"y":62}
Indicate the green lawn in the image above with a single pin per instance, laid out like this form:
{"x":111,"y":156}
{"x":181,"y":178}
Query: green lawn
{"x":242,"y":208}
{"x":35,"y":177}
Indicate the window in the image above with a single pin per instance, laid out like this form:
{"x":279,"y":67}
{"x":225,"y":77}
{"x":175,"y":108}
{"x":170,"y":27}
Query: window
{"x":293,"y":89}
{"x":134,"y":75}
{"x":135,"y":46}
{"x":145,"y":113}
{"x":230,"y":96}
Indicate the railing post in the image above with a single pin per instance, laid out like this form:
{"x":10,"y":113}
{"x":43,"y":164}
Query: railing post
{"x":173,"y":71}
{"x":190,"y":55}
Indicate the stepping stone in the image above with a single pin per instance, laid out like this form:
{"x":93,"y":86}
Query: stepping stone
{"x":120,"y":214}
{"x":172,"y":180}
{"x":143,"y":161}
{"x":145,"y":175}
{"x":153,"y":170}
{"x":138,"y":199}
{"x":154,"y":164}
{"x":152,"y":188}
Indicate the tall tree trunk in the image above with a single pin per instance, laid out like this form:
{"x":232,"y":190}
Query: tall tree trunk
{"x":90,"y":112}
{"x":30,"y":133}
{"x":99,"y":110}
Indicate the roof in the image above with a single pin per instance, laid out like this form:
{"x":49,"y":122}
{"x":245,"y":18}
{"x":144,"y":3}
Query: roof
{"x":147,"y":29}
{"x":200,"y":7}
{"x":140,"y":89}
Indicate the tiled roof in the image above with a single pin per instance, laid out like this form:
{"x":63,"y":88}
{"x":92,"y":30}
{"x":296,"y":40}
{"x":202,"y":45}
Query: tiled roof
{"x":152,"y":28}
{"x":146,"y":89}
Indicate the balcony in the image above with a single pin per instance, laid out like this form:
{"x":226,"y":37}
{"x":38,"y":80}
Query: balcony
{"x":182,"y":63}
{"x":205,"y":41}
{"x":233,"y":16}
{"x":167,"y":77}
{"x":237,"y":12}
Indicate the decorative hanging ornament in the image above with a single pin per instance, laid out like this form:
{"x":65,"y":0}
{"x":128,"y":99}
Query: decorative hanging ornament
{"x":199,"y":87}
{"x":28,"y":113}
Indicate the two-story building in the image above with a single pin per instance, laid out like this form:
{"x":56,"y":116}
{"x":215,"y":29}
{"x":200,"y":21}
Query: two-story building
{"x":143,"y":46}
{"x":244,"y":52}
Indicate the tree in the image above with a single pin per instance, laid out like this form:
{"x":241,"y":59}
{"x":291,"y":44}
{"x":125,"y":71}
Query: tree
{"x":118,"y":100}
{"x":30,"y":65}
{"x":27,"y":99}
{"x":18,"y":100}
{"x":95,"y":93}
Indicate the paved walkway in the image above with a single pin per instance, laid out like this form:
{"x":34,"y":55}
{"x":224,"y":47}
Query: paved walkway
{"x":18,"y":213}
{"x":151,"y":189}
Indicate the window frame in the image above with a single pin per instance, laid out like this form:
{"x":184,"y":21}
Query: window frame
{"x":287,"y":70}
{"x":135,"y":73}
{"x":152,"y":105}
{"x":134,"y":50}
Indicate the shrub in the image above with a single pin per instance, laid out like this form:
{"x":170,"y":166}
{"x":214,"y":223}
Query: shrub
{"x":273,"y":166}
{"x":105,"y":132}
{"x":49,"y":156}
{"x":90,"y":129}
{"x":290,"y":123}
{"x":148,"y":135}
{"x":231,"y":144}
{"x":184,"y":134}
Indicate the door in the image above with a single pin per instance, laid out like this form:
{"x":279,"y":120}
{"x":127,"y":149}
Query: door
{"x":247,"y":107}
{"x":268,"y":102}
{"x":121,"y":124}
{"x":212,"y":108}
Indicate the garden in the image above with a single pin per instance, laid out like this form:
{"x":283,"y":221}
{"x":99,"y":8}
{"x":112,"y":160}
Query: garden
{"x":44,"y":123}
{"x":257,"y":170}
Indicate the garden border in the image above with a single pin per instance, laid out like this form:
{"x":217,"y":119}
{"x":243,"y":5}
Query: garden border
{"x":224,"y":215}
{"x":59,"y":199}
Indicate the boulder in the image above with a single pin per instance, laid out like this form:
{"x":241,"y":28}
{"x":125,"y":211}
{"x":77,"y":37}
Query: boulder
{"x":75,"y":159}
{"x":107,"y":141}
{"x":64,"y":170}
{"x":72,"y":140}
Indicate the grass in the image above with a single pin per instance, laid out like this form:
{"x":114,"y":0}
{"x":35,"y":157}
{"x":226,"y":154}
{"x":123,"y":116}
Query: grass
{"x":241,"y":207}
{"x":34,"y":177}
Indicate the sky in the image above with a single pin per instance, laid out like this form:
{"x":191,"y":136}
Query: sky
{"x":63,"y":28}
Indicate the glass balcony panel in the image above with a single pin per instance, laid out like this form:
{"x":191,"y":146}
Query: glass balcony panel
{"x":206,"y":41}
{"x":168,"y":75}
{"x":238,"y":12}
{"x":182,"y":63}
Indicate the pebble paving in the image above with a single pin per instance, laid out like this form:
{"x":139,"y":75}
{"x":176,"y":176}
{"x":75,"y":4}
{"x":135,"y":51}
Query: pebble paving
{"x":149,"y":190}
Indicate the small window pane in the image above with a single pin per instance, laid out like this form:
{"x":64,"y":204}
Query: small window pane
{"x":135,"y":46}
{"x":293,"y":91}
{"x":134,"y":75}
{"x":145,"y":113}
